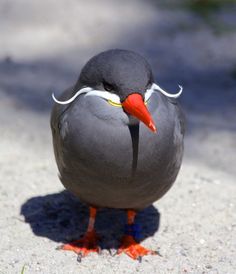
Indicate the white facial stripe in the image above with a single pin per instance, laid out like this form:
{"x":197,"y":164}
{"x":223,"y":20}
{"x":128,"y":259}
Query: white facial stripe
{"x":114,"y":97}
{"x":83,"y":90}
{"x":105,"y":95}
{"x":90,"y":92}
{"x":176,"y":95}
{"x":148,"y":94}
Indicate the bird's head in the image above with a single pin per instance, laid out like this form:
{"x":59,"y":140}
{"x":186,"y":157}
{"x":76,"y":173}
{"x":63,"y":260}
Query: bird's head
{"x":124,"y":79}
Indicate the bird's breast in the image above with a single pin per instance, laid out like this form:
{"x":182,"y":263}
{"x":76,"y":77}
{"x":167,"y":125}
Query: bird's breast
{"x":101,"y":140}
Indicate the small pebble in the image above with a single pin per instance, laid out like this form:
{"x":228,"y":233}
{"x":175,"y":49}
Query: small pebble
{"x":202,"y":241}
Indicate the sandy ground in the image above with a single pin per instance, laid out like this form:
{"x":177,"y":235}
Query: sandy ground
{"x":43,"y":46}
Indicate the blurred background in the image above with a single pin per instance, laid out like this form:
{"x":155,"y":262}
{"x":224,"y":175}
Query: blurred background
{"x":43,"y":46}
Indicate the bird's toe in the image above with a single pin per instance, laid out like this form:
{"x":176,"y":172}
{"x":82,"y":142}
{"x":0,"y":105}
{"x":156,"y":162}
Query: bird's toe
{"x":134,"y":250}
{"x":84,"y":246}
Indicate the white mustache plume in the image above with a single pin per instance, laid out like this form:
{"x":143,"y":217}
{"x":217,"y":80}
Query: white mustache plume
{"x":115,"y":98}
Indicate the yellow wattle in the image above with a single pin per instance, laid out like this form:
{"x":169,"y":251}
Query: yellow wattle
{"x":114,"y":104}
{"x":119,"y":105}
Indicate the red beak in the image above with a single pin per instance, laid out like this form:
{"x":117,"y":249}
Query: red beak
{"x":135,"y":106}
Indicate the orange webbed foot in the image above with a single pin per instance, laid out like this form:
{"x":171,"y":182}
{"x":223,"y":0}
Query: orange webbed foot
{"x":84,"y":246}
{"x":134,"y":250}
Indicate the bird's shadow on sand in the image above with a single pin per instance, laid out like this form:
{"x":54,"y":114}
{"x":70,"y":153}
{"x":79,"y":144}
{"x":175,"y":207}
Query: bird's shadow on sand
{"x":62,"y":218}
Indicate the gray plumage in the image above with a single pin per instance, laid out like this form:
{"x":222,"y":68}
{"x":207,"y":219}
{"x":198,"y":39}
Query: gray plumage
{"x":106,"y":157}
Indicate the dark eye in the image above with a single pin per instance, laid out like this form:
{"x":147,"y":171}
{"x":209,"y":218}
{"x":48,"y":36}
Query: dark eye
{"x":108,"y":87}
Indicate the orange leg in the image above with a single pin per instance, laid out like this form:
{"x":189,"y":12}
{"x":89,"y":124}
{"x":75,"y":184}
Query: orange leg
{"x":128,"y":243}
{"x":88,"y":243}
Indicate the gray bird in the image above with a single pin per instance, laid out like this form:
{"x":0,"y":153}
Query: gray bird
{"x":118,"y":141}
